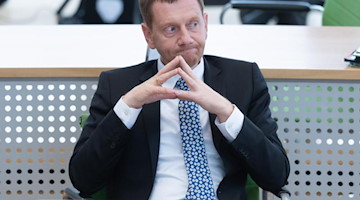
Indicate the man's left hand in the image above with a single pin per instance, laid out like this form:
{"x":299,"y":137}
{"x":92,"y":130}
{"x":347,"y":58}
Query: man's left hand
{"x":202,"y":94}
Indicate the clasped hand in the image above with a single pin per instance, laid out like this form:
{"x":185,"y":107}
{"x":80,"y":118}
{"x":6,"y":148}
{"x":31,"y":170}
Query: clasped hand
{"x":200,"y":93}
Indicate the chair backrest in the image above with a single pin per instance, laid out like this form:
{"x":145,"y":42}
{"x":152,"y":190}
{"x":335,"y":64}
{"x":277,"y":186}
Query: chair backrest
{"x":270,"y":5}
{"x":87,"y":13}
{"x":341,"y":13}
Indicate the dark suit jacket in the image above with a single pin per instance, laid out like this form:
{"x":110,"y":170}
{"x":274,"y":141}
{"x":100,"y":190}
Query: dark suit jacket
{"x":108,"y":154}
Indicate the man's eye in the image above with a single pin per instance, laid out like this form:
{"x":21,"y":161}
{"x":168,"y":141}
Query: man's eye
{"x":194,"y":24}
{"x":170,"y":29}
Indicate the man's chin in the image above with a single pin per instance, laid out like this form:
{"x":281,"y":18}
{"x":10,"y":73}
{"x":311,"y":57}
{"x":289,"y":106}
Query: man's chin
{"x":192,"y":61}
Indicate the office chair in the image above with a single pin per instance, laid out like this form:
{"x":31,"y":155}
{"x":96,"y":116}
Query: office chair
{"x":2,"y":1}
{"x":341,"y":13}
{"x":252,"y":189}
{"x":88,"y":14}
{"x":288,"y":6}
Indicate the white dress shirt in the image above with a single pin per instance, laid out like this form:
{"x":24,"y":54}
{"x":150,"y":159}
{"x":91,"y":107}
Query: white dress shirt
{"x":171,"y":181}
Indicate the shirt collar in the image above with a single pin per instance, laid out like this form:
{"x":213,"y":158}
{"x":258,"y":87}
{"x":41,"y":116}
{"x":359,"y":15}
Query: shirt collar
{"x":197,"y":70}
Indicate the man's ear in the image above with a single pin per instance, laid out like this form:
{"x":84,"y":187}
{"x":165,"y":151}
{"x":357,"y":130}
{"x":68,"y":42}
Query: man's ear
{"x":206,"y":22}
{"x":148,"y":36}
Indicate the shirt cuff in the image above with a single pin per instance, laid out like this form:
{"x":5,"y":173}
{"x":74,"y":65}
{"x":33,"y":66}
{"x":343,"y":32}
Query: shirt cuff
{"x":232,"y":126}
{"x":126,"y":114}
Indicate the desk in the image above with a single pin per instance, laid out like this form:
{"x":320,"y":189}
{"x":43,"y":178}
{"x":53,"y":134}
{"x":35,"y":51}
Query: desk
{"x":68,"y":50}
{"x":281,"y":51}
{"x":314,"y":98}
{"x":289,"y":51}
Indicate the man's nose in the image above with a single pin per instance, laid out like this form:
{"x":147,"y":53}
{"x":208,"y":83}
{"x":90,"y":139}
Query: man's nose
{"x":185,"y":37}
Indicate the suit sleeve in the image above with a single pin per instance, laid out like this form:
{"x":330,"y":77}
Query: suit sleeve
{"x":100,"y":145}
{"x":258,"y":143}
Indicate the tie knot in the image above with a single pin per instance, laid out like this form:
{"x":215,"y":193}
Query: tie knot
{"x":181,"y":84}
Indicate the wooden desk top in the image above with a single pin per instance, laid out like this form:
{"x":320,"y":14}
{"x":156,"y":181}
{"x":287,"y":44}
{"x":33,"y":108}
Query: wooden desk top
{"x":289,"y":51}
{"x":282,"y":52}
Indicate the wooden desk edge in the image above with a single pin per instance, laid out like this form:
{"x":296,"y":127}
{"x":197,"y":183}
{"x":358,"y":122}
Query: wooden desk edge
{"x":51,"y":72}
{"x":302,"y":74}
{"x":312,"y":74}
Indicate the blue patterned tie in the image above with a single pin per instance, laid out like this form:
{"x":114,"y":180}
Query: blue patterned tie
{"x":200,"y":182}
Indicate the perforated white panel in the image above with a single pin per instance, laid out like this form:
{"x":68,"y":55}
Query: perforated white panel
{"x":319,"y":124}
{"x":39,"y":127}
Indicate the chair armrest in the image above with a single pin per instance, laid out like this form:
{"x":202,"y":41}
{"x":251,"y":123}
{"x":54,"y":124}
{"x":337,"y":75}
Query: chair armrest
{"x":73,"y":194}
{"x":284,"y":194}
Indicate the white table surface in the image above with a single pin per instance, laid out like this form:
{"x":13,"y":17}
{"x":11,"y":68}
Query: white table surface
{"x":285,"y":47}
{"x":73,"y":46}
{"x":111,"y":46}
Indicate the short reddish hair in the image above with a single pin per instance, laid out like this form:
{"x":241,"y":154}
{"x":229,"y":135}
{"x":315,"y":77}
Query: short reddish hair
{"x":146,"y":12}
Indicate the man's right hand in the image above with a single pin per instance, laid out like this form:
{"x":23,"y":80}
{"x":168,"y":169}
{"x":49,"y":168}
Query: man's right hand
{"x":151,"y":90}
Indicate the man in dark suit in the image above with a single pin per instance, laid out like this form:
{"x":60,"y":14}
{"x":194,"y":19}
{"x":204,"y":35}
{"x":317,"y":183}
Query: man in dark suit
{"x":132,"y":142}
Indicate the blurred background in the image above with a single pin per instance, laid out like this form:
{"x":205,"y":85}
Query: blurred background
{"x":52,"y":12}
{"x":34,"y":46}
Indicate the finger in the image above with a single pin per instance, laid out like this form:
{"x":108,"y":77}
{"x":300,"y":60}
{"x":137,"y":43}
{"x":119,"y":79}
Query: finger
{"x":161,"y":78}
{"x":187,"y":78}
{"x":158,"y":93}
{"x":184,"y":95}
{"x":173,"y":64}
{"x":166,"y":93}
{"x":184,"y":66}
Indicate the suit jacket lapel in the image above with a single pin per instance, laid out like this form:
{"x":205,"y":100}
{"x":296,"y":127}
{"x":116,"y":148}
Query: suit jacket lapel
{"x":214,"y":78}
{"x":151,"y":119}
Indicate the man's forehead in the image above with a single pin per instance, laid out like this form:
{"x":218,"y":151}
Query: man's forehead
{"x":200,"y":6}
